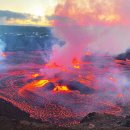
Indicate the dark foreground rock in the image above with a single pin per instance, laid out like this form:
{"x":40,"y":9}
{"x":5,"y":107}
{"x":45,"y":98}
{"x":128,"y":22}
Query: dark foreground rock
{"x":11,"y":118}
{"x":11,"y":112}
{"x":96,"y":121}
{"x":12,"y":124}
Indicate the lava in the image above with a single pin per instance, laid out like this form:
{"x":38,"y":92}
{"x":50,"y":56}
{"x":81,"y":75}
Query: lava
{"x":35,"y":75}
{"x":33,"y":85}
{"x":40,"y":83}
{"x":71,"y":83}
{"x":86,"y":88}
{"x":61,"y":89}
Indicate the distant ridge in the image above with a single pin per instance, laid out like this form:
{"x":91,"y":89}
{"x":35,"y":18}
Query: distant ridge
{"x":22,"y":29}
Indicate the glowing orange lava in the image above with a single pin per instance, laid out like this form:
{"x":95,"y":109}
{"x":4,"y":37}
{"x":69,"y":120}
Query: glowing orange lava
{"x":41,"y":83}
{"x":76,"y":66}
{"x":35,"y":75}
{"x":61,"y":89}
{"x":35,"y":84}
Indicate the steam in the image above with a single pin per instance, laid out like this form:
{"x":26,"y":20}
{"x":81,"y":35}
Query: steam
{"x":2,"y":48}
{"x":100,"y":26}
{"x":96,"y":26}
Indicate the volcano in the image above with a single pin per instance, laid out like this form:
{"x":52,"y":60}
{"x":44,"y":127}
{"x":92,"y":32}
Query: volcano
{"x":64,"y":95}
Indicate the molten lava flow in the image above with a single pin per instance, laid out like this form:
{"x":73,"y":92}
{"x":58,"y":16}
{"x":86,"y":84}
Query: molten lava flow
{"x":35,"y":84}
{"x":61,"y":89}
{"x":41,"y":83}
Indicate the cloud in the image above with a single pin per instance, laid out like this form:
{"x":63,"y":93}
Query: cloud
{"x":10,"y":17}
{"x":13,"y":15}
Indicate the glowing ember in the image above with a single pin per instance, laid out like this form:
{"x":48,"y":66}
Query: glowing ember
{"x":61,"y":89}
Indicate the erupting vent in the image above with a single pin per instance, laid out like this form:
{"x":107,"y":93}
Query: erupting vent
{"x":61,"y":89}
{"x":60,"y":82}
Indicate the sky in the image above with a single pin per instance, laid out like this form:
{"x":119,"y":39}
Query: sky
{"x":26,"y":12}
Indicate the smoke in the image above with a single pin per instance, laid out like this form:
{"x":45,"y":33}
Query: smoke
{"x":3,"y":65}
{"x":100,"y":26}
{"x":2,"y":48}
{"x":95,"y":26}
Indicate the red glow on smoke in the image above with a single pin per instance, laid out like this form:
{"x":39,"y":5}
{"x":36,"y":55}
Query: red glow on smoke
{"x":3,"y":54}
{"x":87,"y":12}
{"x":88,"y":53}
{"x":91,"y":84}
{"x":113,"y":79}
{"x":76,"y":63}
{"x":52,"y":65}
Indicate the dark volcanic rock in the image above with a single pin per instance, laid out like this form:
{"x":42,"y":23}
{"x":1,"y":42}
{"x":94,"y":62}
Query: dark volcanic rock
{"x":12,"y":118}
{"x":74,"y":85}
{"x":96,"y":121}
{"x":49,"y":86}
{"x":12,"y":112}
{"x":126,"y":122}
{"x":124,"y":56}
{"x":90,"y":117}
{"x":8,"y":124}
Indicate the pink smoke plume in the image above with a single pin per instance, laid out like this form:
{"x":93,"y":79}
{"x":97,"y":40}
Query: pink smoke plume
{"x":100,"y":26}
